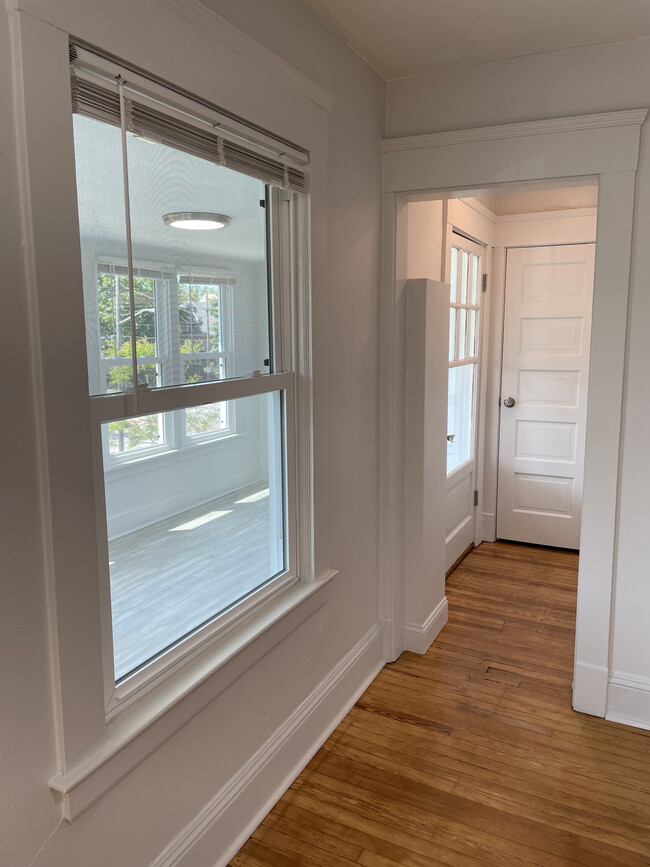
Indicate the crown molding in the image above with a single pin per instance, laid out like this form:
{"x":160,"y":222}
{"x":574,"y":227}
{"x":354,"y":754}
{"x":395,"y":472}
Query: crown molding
{"x":222,"y":31}
{"x":479,"y":207}
{"x":634,"y":117}
{"x":531,"y":216}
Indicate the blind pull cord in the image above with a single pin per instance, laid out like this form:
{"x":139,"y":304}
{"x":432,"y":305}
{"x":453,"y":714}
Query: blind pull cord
{"x":124,"y":123}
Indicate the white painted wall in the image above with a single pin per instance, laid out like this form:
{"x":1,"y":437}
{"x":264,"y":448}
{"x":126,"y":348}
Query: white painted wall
{"x":133,"y":822}
{"x":425,"y":233}
{"x":427,"y":345}
{"x":582,"y":81}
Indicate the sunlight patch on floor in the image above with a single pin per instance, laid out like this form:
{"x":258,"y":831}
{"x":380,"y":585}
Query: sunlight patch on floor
{"x":254,"y":498}
{"x":199,"y":522}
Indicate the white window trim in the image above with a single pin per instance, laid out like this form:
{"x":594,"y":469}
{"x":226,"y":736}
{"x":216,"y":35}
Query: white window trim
{"x":92,"y":754}
{"x":137,"y":721}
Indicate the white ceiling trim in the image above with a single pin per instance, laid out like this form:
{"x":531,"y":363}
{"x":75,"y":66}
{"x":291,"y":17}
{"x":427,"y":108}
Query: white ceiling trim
{"x":222,"y":31}
{"x":565,"y":214}
{"x":480,"y":208}
{"x":514,"y":130}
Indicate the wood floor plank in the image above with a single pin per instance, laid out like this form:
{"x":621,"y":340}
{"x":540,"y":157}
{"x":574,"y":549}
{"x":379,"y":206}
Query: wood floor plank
{"x":471,"y":755}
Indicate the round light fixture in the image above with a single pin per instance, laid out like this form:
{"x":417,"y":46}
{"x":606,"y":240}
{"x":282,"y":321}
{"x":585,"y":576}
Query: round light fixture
{"x":196,"y":220}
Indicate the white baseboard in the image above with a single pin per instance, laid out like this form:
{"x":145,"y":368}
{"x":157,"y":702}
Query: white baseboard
{"x":391,"y":652}
{"x":221,"y":828}
{"x":418,"y":639}
{"x":628,"y":700}
{"x":590,"y":689}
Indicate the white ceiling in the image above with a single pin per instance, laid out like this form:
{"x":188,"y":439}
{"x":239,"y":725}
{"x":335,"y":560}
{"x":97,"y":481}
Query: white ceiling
{"x":533,"y":201}
{"x":407,"y":37}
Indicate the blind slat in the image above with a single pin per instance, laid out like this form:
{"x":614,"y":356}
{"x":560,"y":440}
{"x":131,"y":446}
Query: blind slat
{"x":98,"y":98}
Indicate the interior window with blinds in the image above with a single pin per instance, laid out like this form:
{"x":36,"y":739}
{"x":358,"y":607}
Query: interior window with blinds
{"x":189,"y":391}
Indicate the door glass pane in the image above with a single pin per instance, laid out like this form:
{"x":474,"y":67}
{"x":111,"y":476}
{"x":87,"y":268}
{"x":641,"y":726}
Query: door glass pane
{"x":191,"y":538}
{"x":453,"y":277}
{"x":472,"y":347}
{"x":464,"y":277}
{"x":476,"y":262}
{"x":460,"y":415}
{"x":462,"y":334}
{"x":452,"y":334}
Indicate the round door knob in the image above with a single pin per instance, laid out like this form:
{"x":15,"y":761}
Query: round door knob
{"x":451,"y":438}
{"x":509,"y":401}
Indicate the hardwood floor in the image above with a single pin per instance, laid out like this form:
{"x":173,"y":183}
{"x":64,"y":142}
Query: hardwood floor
{"x":471,"y":754}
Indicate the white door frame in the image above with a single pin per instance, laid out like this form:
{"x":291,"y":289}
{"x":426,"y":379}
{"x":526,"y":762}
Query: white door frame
{"x":603,"y":146}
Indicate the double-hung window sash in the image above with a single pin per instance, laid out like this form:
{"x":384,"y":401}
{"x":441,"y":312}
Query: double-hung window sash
{"x":140,"y":146}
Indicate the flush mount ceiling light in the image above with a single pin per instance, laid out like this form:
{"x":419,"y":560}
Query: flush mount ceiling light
{"x":196,"y":220}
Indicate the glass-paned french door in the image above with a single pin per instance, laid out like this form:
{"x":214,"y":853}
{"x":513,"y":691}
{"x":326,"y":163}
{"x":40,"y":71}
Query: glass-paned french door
{"x":465,"y":278}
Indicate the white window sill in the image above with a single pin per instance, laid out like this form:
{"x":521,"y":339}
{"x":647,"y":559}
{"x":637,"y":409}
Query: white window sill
{"x":142,"y":728}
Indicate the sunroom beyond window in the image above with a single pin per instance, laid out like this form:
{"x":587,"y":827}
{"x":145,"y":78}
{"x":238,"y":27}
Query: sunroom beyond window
{"x":194,"y":496}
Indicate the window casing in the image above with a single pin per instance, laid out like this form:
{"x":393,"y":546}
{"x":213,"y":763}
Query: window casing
{"x":191,"y":388}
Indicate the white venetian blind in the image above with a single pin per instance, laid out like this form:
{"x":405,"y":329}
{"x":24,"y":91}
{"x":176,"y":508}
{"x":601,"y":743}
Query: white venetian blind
{"x":173,"y":119}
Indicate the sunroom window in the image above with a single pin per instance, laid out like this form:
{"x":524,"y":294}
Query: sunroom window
{"x":183,"y":329}
{"x":189,"y":363}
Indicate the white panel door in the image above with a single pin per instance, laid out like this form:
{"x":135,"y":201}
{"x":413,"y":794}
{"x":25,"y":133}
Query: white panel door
{"x":544,"y":393}
{"x":465,"y":279}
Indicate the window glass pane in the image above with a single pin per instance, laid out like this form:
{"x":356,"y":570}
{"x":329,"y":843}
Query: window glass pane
{"x":208,"y":419}
{"x":464,"y":277}
{"x":200,"y":297}
{"x":453,"y":278}
{"x":127,"y":436}
{"x":476,"y":263}
{"x":98,"y":158}
{"x":460,"y":415}
{"x":462,"y":334}
{"x":193,"y":537}
{"x":202,"y":334}
{"x":203,"y":331}
{"x":113,"y":305}
{"x":452,"y":334}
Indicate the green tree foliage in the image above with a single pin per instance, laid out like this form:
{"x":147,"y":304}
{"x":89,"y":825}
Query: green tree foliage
{"x":199,"y":325}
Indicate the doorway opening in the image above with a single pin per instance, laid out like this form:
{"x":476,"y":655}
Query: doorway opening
{"x":519,"y":259}
{"x":470,"y":163}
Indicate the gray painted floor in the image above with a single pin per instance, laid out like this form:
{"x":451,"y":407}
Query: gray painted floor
{"x":171,"y":577}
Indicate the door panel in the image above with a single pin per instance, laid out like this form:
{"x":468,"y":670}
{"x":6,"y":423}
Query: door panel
{"x":465,"y":270}
{"x":545,"y":370}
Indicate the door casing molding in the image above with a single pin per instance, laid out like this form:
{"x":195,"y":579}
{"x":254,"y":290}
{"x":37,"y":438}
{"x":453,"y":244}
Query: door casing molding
{"x":605,"y":147}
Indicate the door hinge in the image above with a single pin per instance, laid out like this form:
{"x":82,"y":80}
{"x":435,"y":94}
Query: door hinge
{"x":484,"y":285}
{"x":476,"y":498}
